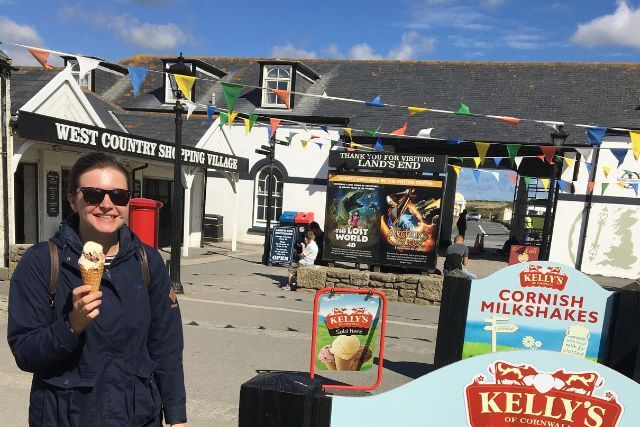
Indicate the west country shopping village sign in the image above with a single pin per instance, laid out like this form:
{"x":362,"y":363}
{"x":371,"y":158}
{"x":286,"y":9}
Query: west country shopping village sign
{"x":58,"y":131}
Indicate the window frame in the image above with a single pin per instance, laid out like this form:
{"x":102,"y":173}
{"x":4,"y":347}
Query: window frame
{"x":74,"y":68}
{"x":265,"y":103}
{"x":168,"y":93}
{"x":257,"y":207}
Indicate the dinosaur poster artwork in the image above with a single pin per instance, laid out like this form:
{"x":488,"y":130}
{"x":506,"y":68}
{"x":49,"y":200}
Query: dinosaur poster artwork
{"x":382,"y":220}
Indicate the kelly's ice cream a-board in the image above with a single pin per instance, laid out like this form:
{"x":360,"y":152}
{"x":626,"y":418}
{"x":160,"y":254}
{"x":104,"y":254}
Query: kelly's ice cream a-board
{"x":538,"y":306}
{"x":348,"y":324}
{"x":515,"y":388}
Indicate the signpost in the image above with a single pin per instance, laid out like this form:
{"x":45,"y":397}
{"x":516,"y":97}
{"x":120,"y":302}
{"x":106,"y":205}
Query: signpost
{"x":496,"y":328}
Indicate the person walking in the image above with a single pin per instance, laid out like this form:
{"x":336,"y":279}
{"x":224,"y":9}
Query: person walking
{"x":110,"y":357}
{"x":462,"y":223}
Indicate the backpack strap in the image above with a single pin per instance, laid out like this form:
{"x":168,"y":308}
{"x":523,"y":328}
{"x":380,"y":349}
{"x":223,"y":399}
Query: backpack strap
{"x":144,"y":264}
{"x":55,"y":269}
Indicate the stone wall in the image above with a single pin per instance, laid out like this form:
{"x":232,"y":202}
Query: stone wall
{"x":413,"y":288}
{"x":15,"y":253}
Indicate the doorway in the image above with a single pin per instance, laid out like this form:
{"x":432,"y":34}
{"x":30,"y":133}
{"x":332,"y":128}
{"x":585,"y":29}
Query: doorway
{"x":162,"y":191}
{"x":26,"y":203}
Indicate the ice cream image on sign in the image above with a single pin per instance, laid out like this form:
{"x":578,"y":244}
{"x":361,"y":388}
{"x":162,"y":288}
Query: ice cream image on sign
{"x":344,"y":354}
{"x":92,"y":264}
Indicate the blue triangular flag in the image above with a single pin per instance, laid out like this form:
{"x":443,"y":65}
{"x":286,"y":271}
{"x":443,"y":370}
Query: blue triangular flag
{"x":378,"y":145}
{"x":596,"y":135}
{"x":211,"y":110}
{"x":589,"y":166}
{"x":319,"y":144}
{"x":620,"y":154}
{"x":453,"y":141}
{"x":497,"y":160}
{"x":375,"y":103}
{"x":324,"y":128}
{"x":476,"y":175}
{"x":137,"y":76}
{"x":635,"y":187}
{"x":565,"y":186}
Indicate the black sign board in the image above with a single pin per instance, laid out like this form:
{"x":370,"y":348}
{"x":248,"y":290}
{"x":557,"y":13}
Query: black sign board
{"x":388,"y":161}
{"x":380,"y":220}
{"x":137,"y":188}
{"x":282,"y":241}
{"x":58,"y":131}
{"x":53,"y":193}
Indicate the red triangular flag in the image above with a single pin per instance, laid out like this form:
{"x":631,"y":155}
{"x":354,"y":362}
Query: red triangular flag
{"x":42,"y":56}
{"x":510,"y":120}
{"x":402,"y":130}
{"x":541,"y":157}
{"x":590,"y":186}
{"x":549,"y":152}
{"x":284,"y":96}
{"x":512,"y":178}
{"x":274,"y":125}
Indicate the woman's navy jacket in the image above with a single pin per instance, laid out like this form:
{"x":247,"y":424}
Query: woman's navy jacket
{"x":127,"y":364}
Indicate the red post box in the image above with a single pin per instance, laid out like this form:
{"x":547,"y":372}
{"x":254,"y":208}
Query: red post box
{"x":144,"y":219}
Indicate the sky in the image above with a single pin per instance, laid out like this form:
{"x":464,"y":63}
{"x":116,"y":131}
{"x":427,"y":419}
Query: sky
{"x":461,"y":30}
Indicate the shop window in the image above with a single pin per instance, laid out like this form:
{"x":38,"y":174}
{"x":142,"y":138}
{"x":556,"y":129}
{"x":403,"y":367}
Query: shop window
{"x":275,"y":77}
{"x":261,"y":196}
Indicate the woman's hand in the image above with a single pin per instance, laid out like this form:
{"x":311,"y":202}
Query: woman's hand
{"x":85,"y":308}
{"x":178,"y":425}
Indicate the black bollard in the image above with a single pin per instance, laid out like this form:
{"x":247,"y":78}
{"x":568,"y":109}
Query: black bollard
{"x":452,"y":321}
{"x":283,"y":399}
{"x":624,"y":336}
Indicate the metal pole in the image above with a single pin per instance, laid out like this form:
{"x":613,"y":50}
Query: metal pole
{"x":548,"y":218}
{"x":176,"y":204}
{"x":267,"y":232}
{"x":587,"y":211}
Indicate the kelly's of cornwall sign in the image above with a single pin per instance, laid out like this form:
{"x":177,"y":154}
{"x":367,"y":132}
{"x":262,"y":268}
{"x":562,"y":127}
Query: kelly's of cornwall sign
{"x":58,"y":131}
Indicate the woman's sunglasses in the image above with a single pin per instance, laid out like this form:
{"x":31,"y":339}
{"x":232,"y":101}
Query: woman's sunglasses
{"x":94,"y":195}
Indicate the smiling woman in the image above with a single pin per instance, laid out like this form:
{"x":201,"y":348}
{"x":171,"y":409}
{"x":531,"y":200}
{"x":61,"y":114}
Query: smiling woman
{"x":87,"y":346}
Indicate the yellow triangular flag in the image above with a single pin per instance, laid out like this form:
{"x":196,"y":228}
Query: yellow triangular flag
{"x":476,"y":160}
{"x":606,"y":170}
{"x":348,"y":132}
{"x":545,"y":182}
{"x":482,"y":148}
{"x":621,"y":184}
{"x":416,"y":110}
{"x":456,"y":169}
{"x":232,"y":116}
{"x":304,"y":143}
{"x":247,"y":126}
{"x":185,"y":83}
{"x":635,"y":143}
{"x":569,"y":161}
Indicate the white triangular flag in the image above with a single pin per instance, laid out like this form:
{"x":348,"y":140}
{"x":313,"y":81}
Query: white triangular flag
{"x":585,"y":153}
{"x":425,"y":133}
{"x":324,"y":95}
{"x":553,"y":125}
{"x":191,"y":107}
{"x":496,"y":175}
{"x":518,"y":161}
{"x":86,"y":65}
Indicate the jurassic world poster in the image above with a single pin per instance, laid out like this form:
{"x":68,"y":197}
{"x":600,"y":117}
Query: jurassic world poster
{"x":382,"y":220}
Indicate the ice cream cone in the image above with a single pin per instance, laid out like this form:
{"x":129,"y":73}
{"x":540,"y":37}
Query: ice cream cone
{"x":344,"y":364}
{"x":330,"y":365}
{"x":92,"y":276}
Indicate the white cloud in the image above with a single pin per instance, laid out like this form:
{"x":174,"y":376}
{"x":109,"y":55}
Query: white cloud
{"x":523,"y":41}
{"x":441,"y":14}
{"x":290,"y":51}
{"x":618,"y":29}
{"x":363,"y":51}
{"x":333,"y":51}
{"x":11,"y":31}
{"x":167,"y":37}
{"x":412,"y":45}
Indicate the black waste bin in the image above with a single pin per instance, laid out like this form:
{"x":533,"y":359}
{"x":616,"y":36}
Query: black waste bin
{"x":213,"y":228}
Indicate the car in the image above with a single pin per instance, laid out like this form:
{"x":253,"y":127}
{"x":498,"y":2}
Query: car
{"x":474,"y":216}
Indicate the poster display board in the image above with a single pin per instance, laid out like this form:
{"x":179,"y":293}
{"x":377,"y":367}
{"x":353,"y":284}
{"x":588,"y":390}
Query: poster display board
{"x":516,"y":388}
{"x":282,"y":241}
{"x":523,"y":253}
{"x":401,"y":162}
{"x":538,"y":305}
{"x":348,"y":326}
{"x":382,"y":220}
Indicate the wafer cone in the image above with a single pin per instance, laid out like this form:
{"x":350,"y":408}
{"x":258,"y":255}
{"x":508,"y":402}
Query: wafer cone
{"x":344,"y":364}
{"x":330,"y":365}
{"x":92,"y":276}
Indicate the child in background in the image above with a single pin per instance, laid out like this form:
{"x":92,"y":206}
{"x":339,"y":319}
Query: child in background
{"x":307,"y":257}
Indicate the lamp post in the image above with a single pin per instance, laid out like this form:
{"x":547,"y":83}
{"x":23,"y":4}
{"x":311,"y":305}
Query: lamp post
{"x":558,"y":137}
{"x":269,"y":151}
{"x":178,"y":68}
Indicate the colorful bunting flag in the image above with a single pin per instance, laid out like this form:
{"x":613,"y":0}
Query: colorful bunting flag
{"x":595,"y":135}
{"x":545,"y":183}
{"x":378,"y":145}
{"x":606,"y":170}
{"x":482,"y":148}
{"x":496,"y":175}
{"x":274,"y":125}
{"x":635,"y":187}
{"x":476,"y":161}
{"x":137,"y":76}
{"x":635,"y":143}
{"x":569,"y":161}
{"x":463,"y":110}
{"x":86,"y":64}
{"x":191,"y":107}
{"x":590,"y":186}
{"x":510,"y":120}
{"x":497,"y":160}
{"x":333,"y":143}
{"x":319,"y":144}
{"x":231,"y":93}
{"x":284,"y":96}
{"x":185,"y":83}
{"x":518,"y":160}
{"x":456,"y":169}
{"x":621,"y":184}
{"x":223,"y":118}
{"x":211,"y":111}
{"x":348,"y":132}
{"x":375,"y":103}
{"x":304,"y":143}
{"x":425,"y":133}
{"x":252,"y":121}
{"x":585,"y":153}
{"x":42,"y":56}
{"x":416,"y":110}
{"x":373,"y":133}
{"x":548,"y":151}
{"x":402,"y":130}
{"x":476,"y":175}
{"x":453,"y":141}
{"x":565,"y":186}
{"x":589,"y":166}
{"x":604,"y":187}
{"x":324,"y":128}
{"x":232,"y":117}
{"x":527,"y":181}
{"x":620,"y":154}
{"x":513,"y":178}
{"x":512,"y":149}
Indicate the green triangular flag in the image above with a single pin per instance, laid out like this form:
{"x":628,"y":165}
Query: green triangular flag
{"x":231,"y":93}
{"x":223,"y":118}
{"x":513,"y":150}
{"x":604,"y":187}
{"x":333,"y":143}
{"x":527,"y":180}
{"x":463,"y":110}
{"x":373,"y":133}
{"x":252,"y":120}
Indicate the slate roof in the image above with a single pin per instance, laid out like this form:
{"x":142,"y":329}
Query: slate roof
{"x":5,"y":61}
{"x":26,"y":82}
{"x":162,"y":126}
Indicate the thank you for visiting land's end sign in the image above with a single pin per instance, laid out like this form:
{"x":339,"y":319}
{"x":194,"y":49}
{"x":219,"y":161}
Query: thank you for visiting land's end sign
{"x":53,"y":193}
{"x":58,"y":131}
{"x":388,"y":161}
{"x":538,"y":306}
{"x":516,"y":388}
{"x":281,"y":249}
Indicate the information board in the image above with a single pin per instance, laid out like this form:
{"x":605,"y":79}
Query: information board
{"x":53,"y":193}
{"x":282,"y":241}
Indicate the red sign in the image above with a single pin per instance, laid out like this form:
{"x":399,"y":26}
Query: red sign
{"x":523,"y":396}
{"x":522,"y":253}
{"x":343,"y":320}
{"x":543,"y":277}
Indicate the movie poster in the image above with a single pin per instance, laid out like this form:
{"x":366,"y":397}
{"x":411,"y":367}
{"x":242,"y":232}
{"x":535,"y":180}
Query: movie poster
{"x":382,"y":220}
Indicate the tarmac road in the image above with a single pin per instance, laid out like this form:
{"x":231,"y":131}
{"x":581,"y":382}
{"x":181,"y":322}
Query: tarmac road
{"x":237,"y":322}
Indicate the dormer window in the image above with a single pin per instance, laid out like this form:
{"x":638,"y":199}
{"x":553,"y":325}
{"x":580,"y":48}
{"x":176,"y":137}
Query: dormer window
{"x":86,"y":82}
{"x":275,"y":77}
{"x":169,"y":96}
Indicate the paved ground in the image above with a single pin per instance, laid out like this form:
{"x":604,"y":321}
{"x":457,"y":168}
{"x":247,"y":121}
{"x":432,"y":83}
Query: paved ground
{"x":237,"y":322}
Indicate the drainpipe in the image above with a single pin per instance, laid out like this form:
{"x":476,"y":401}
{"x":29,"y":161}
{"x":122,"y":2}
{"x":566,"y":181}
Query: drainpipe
{"x":585,"y":221}
{"x":133,"y":174}
{"x":4,"y":75}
